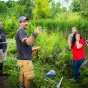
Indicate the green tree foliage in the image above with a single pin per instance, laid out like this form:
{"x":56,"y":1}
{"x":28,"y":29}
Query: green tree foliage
{"x":16,"y":8}
{"x":84,"y":7}
{"x":75,"y":6}
{"x":80,"y":5}
{"x":41,"y":9}
{"x":12,"y":8}
{"x":3,"y":8}
{"x":55,"y":8}
{"x":25,"y":7}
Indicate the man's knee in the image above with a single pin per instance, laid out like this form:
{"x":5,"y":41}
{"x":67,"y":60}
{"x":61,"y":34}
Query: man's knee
{"x":27,"y":83}
{"x":21,"y":79}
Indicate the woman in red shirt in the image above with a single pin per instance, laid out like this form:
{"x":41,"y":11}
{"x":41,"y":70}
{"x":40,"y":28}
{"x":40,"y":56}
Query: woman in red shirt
{"x":77,"y":54}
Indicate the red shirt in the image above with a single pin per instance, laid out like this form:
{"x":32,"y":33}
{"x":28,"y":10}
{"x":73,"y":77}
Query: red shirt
{"x":78,"y":54}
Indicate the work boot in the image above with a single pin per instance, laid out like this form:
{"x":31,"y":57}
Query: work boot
{"x":1,"y":68}
{"x":22,"y":86}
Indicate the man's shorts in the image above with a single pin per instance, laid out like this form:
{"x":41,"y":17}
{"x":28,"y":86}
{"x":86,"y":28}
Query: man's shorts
{"x":26,"y":68}
{"x":2,"y":56}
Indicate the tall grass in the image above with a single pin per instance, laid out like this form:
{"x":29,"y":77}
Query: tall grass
{"x":63,"y":22}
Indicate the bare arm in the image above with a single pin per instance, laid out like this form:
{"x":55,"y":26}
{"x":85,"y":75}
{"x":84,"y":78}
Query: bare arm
{"x":29,"y":40}
{"x":78,"y":45}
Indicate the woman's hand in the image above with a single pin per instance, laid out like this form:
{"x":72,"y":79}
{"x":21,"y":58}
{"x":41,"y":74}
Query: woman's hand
{"x":78,"y":45}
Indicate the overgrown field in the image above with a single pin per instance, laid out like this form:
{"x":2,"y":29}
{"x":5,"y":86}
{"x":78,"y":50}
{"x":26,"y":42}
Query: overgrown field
{"x":57,"y":23}
{"x":63,"y":22}
{"x":52,"y":55}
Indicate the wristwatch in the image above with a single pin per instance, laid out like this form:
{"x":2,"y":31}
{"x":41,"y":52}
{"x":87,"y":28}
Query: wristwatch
{"x":33,"y":34}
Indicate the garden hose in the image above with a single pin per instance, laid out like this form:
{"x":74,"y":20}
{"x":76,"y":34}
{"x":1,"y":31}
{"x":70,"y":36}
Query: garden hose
{"x":8,"y":42}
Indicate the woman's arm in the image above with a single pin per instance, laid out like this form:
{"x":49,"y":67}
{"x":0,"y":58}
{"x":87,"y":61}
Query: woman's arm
{"x":78,"y":45}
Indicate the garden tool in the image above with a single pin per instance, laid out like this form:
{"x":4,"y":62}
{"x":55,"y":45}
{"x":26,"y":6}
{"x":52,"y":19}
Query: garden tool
{"x":12,"y":41}
{"x":53,"y":73}
{"x":58,"y":85}
{"x":86,"y":42}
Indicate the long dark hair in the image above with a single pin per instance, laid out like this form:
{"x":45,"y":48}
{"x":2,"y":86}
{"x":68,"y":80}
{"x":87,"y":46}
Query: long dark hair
{"x":74,"y":39}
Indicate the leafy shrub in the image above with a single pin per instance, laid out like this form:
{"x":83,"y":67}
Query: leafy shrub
{"x":84,"y":83}
{"x":48,"y":43}
{"x":11,"y":46}
{"x":10,"y":67}
{"x":53,"y":51}
{"x":51,"y":55}
{"x":10,"y":26}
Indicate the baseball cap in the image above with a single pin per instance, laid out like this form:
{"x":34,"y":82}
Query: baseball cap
{"x":22,"y":18}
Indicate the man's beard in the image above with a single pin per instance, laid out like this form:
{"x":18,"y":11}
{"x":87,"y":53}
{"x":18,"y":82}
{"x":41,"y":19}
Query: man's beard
{"x":26,"y":26}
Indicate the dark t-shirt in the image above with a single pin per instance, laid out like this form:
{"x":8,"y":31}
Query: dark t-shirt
{"x":24,"y":52}
{"x":1,"y":45}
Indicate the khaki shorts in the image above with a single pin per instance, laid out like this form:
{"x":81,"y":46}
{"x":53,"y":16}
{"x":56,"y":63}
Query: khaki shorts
{"x":26,"y":68}
{"x":2,"y":56}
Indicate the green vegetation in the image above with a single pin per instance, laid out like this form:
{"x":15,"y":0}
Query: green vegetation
{"x":41,"y":9}
{"x":57,"y":22}
{"x":63,"y":22}
{"x":52,"y":55}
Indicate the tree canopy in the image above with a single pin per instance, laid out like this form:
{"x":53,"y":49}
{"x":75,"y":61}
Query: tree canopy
{"x":37,"y":9}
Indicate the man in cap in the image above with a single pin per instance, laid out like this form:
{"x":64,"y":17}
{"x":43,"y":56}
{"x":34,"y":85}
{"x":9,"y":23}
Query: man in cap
{"x":24,"y":51}
{"x":3,"y":48}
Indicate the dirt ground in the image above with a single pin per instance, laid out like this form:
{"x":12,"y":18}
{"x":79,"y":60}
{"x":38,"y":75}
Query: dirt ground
{"x":4,"y":83}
